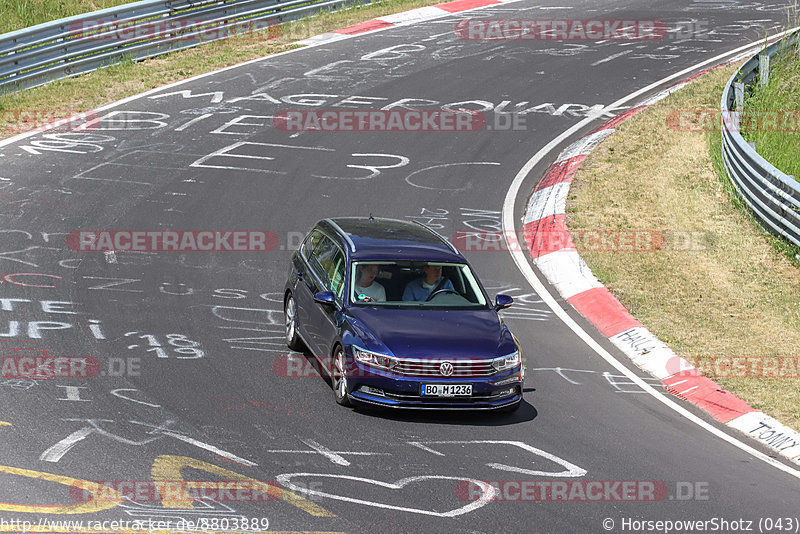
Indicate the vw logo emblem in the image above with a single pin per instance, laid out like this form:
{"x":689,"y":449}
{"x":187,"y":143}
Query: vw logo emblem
{"x":446,"y":369}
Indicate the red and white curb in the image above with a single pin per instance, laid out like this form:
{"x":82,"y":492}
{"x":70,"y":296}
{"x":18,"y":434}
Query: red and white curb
{"x":397,"y":19}
{"x":563,"y":267}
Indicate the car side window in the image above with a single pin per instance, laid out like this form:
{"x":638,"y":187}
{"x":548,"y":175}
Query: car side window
{"x":316,"y":249}
{"x":307,"y":248}
{"x":336,"y":274}
{"x":324,"y":253}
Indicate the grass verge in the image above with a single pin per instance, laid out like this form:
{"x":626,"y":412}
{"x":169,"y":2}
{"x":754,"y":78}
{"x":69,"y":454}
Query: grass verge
{"x":729,"y":294}
{"x":26,"y":110}
{"x":18,"y":14}
{"x":776,"y":104}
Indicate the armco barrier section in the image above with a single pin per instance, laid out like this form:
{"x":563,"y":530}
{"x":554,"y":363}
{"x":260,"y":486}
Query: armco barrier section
{"x":773,"y":196}
{"x":83,"y":43}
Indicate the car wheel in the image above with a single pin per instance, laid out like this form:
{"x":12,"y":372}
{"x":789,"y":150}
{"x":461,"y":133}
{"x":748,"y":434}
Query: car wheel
{"x":340,"y":378}
{"x":290,"y":316}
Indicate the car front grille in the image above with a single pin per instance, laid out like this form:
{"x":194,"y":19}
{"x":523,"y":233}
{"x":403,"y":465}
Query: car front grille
{"x":476,"y":397}
{"x":432,"y":368}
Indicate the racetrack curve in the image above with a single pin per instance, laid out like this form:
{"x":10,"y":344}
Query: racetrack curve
{"x":191,"y":161}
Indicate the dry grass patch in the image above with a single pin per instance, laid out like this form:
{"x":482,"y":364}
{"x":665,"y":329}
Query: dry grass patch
{"x":733,"y":294}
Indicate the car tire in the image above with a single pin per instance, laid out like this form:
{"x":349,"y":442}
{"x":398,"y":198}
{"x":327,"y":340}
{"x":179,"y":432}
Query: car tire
{"x":290,"y":321}
{"x":339,"y":378}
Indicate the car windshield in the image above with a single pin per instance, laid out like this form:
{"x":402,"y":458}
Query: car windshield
{"x":415,"y":284}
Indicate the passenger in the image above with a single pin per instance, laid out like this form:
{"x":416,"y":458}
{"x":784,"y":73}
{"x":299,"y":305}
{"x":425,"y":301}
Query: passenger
{"x":421,"y":288}
{"x":366,"y":288}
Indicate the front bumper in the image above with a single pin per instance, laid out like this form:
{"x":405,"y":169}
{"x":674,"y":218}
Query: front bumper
{"x":382,"y":388}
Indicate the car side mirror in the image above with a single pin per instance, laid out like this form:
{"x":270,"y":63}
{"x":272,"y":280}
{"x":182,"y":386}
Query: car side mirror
{"x":502,"y":302}
{"x":325,"y":298}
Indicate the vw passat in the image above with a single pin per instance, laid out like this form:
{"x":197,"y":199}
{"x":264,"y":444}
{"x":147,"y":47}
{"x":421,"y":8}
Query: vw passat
{"x":398,"y":318}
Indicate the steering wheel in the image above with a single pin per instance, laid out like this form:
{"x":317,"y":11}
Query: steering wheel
{"x":443,"y":290}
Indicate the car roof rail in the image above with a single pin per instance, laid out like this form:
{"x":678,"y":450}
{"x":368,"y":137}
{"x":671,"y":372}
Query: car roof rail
{"x":440,"y":236}
{"x":345,"y":234}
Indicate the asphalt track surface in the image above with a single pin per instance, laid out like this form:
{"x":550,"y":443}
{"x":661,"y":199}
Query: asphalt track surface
{"x":232,"y":407}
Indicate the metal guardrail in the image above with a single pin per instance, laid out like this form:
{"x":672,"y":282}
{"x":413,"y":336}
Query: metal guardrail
{"x":773,"y":195}
{"x":75,"y":45}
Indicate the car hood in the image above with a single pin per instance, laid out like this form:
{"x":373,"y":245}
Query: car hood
{"x":415,"y":333}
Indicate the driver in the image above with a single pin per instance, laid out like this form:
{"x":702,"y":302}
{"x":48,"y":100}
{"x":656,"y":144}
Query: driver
{"x":421,"y":288}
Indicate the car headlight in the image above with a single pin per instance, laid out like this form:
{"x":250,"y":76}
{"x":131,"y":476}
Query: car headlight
{"x":374,"y":359}
{"x":507,"y":362}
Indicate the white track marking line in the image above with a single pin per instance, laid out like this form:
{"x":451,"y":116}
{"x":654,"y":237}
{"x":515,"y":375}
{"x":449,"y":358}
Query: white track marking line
{"x":425,"y":448}
{"x":326,"y":452}
{"x":487,"y":490}
{"x":193,"y":121}
{"x":570,"y":469}
{"x":57,"y":451}
{"x":611,"y":57}
{"x":509,"y":231}
{"x":210,"y":448}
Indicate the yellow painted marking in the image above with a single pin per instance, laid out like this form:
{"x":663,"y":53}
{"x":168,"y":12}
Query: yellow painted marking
{"x":103,"y":496}
{"x":3,"y":423}
{"x":167,"y":469}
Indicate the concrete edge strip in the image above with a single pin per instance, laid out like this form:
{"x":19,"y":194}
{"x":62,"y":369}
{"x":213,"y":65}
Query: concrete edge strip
{"x":549,"y":247}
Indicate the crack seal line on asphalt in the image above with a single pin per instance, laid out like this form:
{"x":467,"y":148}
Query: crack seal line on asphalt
{"x":516,"y":251}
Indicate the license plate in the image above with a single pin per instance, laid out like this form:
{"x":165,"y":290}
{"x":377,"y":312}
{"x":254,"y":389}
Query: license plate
{"x":446,"y":390}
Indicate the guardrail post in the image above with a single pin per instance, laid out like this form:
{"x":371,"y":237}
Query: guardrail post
{"x":730,"y":121}
{"x":763,"y":69}
{"x":738,"y":91}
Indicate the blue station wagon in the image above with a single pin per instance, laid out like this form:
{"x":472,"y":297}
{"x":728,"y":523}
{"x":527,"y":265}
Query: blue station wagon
{"x":397,"y":318}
